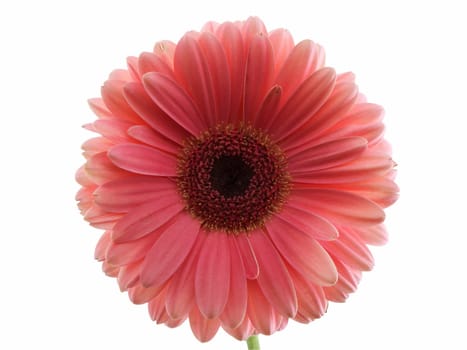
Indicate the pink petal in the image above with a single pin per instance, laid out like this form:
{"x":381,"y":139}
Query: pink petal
{"x":174,"y":323}
{"x":152,"y":114}
{"x":145,"y":219}
{"x":89,"y":127}
{"x":156,"y":308}
{"x":165,"y":49}
{"x":99,"y":169}
{"x":128,"y":275}
{"x":170,"y":250}
{"x":153,"y":138}
{"x":282,"y":43}
{"x":268,"y":108}
{"x":141,"y":295}
{"x":313,"y":225}
{"x":175,"y":102}
{"x":85,"y":193}
{"x":231,"y":40}
{"x":95,"y":145}
{"x":210,"y":27}
{"x":100,"y":218}
{"x":337,"y":206}
{"x":282,"y":322}
{"x":349,"y":278}
{"x":219,"y":73}
{"x":382,"y":147}
{"x":101,"y":247}
{"x":250,"y":263}
{"x":120,"y":74}
{"x":327,"y":155}
{"x":143,"y":160}
{"x":369,"y":165}
{"x":251,"y":29}
{"x":366,"y":113}
{"x":204,"y":329}
{"x":347,"y":77}
{"x":119,"y":254}
{"x":112,"y":95}
{"x":132,"y":64}
{"x":181,"y":292}
{"x":350,"y":250}
{"x":258,"y":76}
{"x":301,"y":62}
{"x":259,"y":310}
{"x":303,"y":103}
{"x":202,"y":67}
{"x":110,"y":270}
{"x":364,"y":120}
{"x":302,"y":252}
{"x":122,"y":195}
{"x":273,"y":279}
{"x":312,"y":302}
{"x":335,"y":294}
{"x":321,"y":56}
{"x":346,"y":284}
{"x":82,"y":178}
{"x":334,"y":110}
{"x":84,"y":198}
{"x":99,"y":108}
{"x":235,"y":309}
{"x":149,"y":62}
{"x":113,"y":129}
{"x":375,"y":235}
{"x":241,"y":332}
{"x":163,"y":317}
{"x":381,"y":190}
{"x":212,"y":280}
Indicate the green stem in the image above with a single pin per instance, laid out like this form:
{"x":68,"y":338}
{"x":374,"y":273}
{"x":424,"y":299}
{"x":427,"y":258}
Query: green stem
{"x":253,"y":343}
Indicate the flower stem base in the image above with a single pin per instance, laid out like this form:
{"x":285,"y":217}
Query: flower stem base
{"x":253,"y":343}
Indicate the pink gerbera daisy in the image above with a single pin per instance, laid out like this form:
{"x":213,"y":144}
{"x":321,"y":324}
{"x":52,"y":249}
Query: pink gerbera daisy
{"x":238,"y":179}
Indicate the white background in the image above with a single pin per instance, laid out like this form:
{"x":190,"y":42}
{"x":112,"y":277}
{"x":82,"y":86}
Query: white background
{"x":409,"y":56}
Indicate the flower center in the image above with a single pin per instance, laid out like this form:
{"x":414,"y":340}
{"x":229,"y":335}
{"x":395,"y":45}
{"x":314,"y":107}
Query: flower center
{"x":232,"y":178}
{"x":230,"y":175}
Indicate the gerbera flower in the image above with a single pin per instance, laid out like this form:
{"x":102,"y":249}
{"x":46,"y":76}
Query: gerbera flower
{"x":238,"y":180}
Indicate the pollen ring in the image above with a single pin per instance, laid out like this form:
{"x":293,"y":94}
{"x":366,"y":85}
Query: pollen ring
{"x":232,"y":179}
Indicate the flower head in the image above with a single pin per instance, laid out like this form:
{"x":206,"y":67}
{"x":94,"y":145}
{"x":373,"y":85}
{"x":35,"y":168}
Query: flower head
{"x":238,"y":180}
